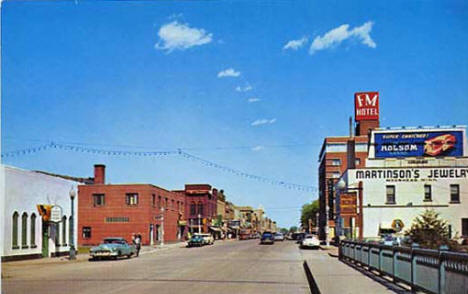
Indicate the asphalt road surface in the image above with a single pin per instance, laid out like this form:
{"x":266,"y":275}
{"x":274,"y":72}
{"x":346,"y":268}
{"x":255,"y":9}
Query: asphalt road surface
{"x":226,"y":267}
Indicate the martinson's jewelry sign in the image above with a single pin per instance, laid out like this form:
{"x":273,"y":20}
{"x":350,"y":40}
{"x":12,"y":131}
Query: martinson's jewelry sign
{"x":405,"y":174}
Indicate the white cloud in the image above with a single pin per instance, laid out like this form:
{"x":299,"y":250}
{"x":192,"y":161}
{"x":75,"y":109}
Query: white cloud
{"x":337,"y":35}
{"x":295,"y":44}
{"x":230,"y":72}
{"x":258,"y":148}
{"x":175,"y":35}
{"x":263,"y":121}
{"x":244,"y":89}
{"x":253,"y":100}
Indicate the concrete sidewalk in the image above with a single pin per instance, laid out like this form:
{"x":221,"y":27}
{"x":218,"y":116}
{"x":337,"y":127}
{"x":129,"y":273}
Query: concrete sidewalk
{"x":85,"y":256}
{"x":333,"y":276}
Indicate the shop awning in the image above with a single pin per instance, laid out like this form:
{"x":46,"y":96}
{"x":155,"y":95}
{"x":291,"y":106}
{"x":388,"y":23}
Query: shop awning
{"x":216,"y":229}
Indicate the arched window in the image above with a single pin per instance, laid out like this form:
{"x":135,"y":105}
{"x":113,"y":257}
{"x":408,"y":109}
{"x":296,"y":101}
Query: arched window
{"x":193,"y":209}
{"x":64,"y":231}
{"x":24,"y":230}
{"x":200,"y":208}
{"x":32,"y":239}
{"x":14,"y":239}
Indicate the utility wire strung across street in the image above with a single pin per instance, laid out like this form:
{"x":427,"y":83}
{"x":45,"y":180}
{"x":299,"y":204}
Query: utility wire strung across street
{"x":179,"y":152}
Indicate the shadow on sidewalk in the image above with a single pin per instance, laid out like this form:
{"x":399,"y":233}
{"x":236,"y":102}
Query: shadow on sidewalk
{"x":379,"y":279}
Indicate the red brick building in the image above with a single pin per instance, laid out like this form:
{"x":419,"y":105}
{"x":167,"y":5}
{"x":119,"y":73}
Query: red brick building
{"x":200,"y":206}
{"x":119,"y":210}
{"x":333,"y":162}
{"x":339,"y":153}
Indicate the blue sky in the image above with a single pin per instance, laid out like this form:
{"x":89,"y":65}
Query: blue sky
{"x":264,"y":80}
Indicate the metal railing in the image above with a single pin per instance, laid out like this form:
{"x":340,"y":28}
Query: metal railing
{"x":431,"y":271}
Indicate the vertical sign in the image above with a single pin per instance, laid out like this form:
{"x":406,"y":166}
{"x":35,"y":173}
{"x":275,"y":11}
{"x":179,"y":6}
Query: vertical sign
{"x":366,"y":106}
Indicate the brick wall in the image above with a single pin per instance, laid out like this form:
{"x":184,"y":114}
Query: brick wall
{"x":116,"y":218}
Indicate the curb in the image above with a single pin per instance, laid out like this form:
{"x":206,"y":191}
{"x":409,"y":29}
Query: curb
{"x":310,"y":279}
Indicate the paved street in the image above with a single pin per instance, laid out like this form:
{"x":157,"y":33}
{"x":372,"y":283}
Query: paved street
{"x":226,"y":267}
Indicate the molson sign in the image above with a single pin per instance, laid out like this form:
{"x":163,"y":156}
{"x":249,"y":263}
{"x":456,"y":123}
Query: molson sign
{"x":418,"y":144}
{"x":366,"y":106}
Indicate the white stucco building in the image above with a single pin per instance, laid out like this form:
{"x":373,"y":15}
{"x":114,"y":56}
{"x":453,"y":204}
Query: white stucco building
{"x":408,"y":171}
{"x":23,"y":226}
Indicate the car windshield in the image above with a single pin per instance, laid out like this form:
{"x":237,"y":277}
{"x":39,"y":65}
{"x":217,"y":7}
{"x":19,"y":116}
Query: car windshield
{"x":266,"y":235}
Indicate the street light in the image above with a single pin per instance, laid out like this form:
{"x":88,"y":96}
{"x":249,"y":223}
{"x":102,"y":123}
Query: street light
{"x":199,"y":224}
{"x":72,"y":225}
{"x":327,"y":228}
{"x":341,"y":185}
{"x":162,"y":226}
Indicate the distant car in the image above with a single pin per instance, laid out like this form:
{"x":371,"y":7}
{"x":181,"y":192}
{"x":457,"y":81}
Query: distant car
{"x":207,"y":238}
{"x":310,"y":241}
{"x":112,"y":247}
{"x":279,"y":237}
{"x":390,"y":240}
{"x":196,"y":240}
{"x":267,"y":238}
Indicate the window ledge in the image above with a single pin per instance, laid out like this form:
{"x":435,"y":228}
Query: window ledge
{"x":454,"y":202}
{"x":24,"y":247}
{"x":15,"y":247}
{"x":33,"y":246}
{"x":390,"y":203}
{"x":427,"y":200}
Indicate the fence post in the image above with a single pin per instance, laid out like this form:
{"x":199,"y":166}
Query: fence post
{"x":368,"y":257}
{"x":394,"y":253}
{"x":380,"y":261}
{"x":442,"y":250}
{"x":340,"y":248}
{"x":413,"y":266}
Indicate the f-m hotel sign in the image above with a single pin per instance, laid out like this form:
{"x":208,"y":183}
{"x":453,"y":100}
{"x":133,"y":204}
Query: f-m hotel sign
{"x":366,"y":106}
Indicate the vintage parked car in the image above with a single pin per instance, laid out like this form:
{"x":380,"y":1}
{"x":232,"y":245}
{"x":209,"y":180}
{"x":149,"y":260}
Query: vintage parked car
{"x":267,"y":238}
{"x":196,"y":240}
{"x":112,"y":247}
{"x":207,"y":238}
{"x":279,"y":237}
{"x":310,"y":241}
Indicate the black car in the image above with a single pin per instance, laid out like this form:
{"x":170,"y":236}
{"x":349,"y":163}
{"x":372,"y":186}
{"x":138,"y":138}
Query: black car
{"x":267,"y":238}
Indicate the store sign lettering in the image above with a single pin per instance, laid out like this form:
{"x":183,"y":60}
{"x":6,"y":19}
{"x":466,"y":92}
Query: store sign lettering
{"x":366,"y":106}
{"x":435,"y":173}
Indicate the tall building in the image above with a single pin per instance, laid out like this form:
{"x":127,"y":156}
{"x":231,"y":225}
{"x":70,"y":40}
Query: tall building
{"x":341,"y":152}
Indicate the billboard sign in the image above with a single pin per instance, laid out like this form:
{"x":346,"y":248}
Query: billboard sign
{"x":418,"y":144}
{"x":366,"y":106}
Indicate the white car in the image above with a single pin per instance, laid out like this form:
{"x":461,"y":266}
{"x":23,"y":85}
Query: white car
{"x":279,"y":237}
{"x":207,"y":239}
{"x":310,"y":241}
